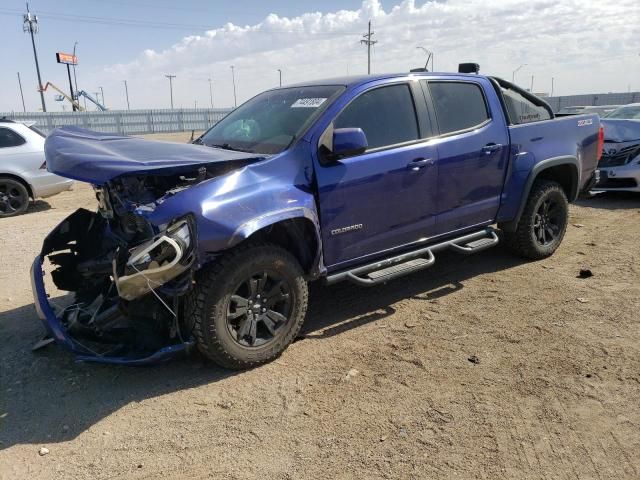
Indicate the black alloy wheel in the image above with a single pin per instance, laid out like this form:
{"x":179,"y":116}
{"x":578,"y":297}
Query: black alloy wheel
{"x":547,"y":222}
{"x":14,"y":197}
{"x":259,"y":309}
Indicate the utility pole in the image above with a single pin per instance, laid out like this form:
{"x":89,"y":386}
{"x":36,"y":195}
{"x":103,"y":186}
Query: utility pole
{"x":531,"y":89}
{"x":551,"y":87}
{"x":369,"y":43}
{"x":30,"y":24}
{"x":126,"y":92}
{"x":102,"y":93}
{"x":233,"y":76}
{"x":210,"y":93}
{"x":280,"y":72}
{"x":24,"y":109}
{"x":171,"y":77}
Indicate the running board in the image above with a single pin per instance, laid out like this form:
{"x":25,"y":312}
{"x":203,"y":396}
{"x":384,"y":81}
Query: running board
{"x":393,"y":267}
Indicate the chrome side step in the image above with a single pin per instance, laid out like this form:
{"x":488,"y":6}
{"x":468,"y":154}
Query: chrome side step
{"x":397,"y":266}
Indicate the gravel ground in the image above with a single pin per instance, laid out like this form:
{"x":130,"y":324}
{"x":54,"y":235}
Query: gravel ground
{"x":481,"y":367}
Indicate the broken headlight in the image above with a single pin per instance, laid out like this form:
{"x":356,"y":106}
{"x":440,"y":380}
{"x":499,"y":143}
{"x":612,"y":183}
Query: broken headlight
{"x":155,"y":262}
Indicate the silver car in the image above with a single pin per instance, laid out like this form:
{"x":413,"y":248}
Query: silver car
{"x":620,"y":163}
{"x":23,"y":170}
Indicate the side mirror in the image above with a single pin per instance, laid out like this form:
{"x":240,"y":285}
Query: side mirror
{"x":348,"y":141}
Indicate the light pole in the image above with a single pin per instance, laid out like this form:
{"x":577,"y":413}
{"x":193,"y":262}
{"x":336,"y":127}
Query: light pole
{"x":30,"y":24}
{"x":429,"y":57}
{"x":21,"y":95}
{"x":75,"y":80}
{"x":171,"y":77}
{"x":102,"y":95}
{"x":126,"y":92}
{"x":280,"y":73}
{"x":210,"y":93}
{"x":233,"y":77}
{"x":513,"y":75}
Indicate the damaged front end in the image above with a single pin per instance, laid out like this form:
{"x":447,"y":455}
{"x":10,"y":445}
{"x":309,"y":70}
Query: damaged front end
{"x":128,"y":277}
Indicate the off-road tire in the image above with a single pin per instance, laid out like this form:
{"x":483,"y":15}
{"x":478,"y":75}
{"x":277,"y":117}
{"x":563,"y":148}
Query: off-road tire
{"x":16,"y":193}
{"x":207,"y":306}
{"x":523,"y":241}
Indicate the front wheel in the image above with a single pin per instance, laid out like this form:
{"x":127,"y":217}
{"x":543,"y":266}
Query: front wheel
{"x":543,"y":223}
{"x":248,"y":306}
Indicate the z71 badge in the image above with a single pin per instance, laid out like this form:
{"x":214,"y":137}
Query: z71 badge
{"x":586,"y":121}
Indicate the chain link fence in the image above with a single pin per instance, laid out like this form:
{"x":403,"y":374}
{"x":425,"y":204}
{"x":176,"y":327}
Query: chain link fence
{"x":557,"y":103}
{"x":126,"y":122}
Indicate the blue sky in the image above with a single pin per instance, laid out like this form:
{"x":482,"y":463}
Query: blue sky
{"x":140,"y":40}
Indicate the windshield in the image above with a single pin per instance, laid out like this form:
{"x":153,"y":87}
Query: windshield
{"x":269,"y":122}
{"x":628,"y":113}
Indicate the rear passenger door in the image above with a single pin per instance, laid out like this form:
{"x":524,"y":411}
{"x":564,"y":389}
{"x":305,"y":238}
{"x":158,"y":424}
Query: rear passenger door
{"x":473,"y":151}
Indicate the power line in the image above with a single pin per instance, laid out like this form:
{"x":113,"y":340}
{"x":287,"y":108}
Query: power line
{"x":164,"y":25}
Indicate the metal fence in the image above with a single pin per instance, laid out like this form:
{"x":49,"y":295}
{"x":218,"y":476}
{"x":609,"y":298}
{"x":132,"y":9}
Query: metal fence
{"x":592,"y":99}
{"x":126,"y":122}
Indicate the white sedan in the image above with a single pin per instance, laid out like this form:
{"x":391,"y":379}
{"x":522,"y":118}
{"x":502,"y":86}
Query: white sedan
{"x":23,"y":170}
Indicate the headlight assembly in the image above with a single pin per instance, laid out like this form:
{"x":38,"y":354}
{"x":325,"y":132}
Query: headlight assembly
{"x":157,"y":261}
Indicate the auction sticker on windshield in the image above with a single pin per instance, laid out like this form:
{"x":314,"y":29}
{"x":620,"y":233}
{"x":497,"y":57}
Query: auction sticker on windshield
{"x":308,"y":102}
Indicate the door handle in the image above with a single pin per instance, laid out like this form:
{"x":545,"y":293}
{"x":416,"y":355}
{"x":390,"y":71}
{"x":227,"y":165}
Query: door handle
{"x":489,"y":148}
{"x":419,"y":163}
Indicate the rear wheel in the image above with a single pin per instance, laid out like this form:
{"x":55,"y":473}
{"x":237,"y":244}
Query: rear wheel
{"x":249,"y":306}
{"x":543,"y":223}
{"x":14,"y":197}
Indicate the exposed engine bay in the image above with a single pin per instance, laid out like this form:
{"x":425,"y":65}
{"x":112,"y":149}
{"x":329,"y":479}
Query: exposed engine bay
{"x":128,"y":277}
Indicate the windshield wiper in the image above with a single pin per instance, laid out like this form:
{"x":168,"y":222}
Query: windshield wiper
{"x":226,"y":146}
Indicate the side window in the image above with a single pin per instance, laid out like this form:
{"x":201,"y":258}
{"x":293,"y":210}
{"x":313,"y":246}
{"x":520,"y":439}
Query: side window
{"x":9,"y":138}
{"x":522,"y":110}
{"x":458,"y":105}
{"x":386,"y":115}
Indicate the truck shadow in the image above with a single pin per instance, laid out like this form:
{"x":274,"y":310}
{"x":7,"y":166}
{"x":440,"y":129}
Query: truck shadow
{"x":46,"y":397}
{"x":611,"y":201}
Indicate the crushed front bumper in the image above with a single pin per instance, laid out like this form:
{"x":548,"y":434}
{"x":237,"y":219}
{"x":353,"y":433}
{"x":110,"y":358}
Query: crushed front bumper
{"x":57,"y":331}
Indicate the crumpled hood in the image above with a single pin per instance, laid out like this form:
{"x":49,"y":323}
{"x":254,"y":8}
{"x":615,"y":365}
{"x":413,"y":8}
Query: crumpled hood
{"x":97,"y":158}
{"x":619,"y":130}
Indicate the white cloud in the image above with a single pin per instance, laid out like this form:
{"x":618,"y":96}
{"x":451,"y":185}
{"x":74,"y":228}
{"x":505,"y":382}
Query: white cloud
{"x":588,"y":46}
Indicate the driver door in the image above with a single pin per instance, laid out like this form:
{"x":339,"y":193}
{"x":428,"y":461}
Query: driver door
{"x":385,"y":197}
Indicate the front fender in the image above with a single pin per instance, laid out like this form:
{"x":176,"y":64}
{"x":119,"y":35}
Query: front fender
{"x":249,"y":227}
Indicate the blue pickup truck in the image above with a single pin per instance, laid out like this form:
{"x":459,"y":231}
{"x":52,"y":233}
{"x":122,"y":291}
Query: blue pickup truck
{"x":212,"y":244}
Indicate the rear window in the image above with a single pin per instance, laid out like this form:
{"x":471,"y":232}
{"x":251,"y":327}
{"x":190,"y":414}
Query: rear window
{"x":522,"y":110}
{"x":9,"y":138}
{"x":458,"y":105}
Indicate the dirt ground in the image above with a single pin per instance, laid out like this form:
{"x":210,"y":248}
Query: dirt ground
{"x":482,"y":367}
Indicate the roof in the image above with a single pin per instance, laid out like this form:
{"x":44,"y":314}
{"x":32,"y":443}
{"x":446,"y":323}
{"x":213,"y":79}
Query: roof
{"x":355,"y":80}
